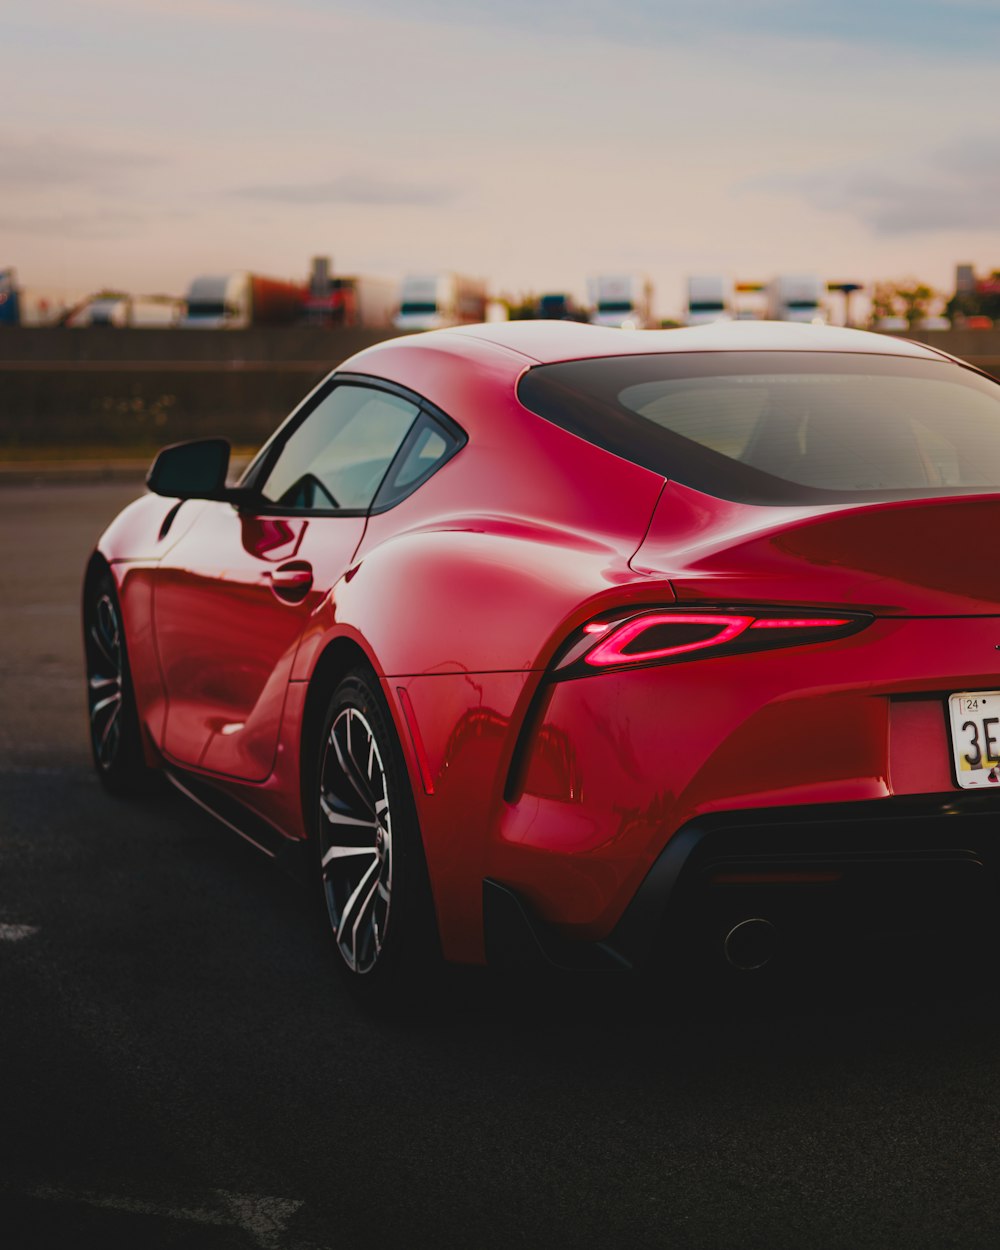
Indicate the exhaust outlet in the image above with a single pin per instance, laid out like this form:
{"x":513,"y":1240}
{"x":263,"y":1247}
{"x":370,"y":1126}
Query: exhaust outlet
{"x":750,"y":944}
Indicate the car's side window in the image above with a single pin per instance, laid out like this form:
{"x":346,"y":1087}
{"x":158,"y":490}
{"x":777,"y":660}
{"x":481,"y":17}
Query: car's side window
{"x":427,"y":447}
{"x":337,"y":457}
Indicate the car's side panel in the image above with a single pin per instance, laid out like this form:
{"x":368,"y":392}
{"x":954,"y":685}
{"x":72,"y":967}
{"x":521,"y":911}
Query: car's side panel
{"x":132,"y":546}
{"x":227,"y":639}
{"x":277,"y":799}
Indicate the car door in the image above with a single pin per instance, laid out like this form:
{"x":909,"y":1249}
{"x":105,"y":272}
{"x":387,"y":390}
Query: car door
{"x":232,"y":598}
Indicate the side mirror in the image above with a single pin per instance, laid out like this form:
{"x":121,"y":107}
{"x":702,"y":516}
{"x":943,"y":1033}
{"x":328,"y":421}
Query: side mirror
{"x":195,"y":470}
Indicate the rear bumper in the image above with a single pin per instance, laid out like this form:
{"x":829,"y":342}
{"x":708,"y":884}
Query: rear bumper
{"x":924,"y":867}
{"x":617,"y":765}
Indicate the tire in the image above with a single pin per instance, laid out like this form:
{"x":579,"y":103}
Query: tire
{"x":370,"y":853}
{"x":115,"y":736}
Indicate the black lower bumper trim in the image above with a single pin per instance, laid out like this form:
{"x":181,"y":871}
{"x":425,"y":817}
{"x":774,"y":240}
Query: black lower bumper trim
{"x":880,"y":867}
{"x":516,"y":940}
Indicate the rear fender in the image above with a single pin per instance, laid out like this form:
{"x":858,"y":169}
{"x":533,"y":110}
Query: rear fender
{"x":460,"y":656}
{"x":471,"y":601}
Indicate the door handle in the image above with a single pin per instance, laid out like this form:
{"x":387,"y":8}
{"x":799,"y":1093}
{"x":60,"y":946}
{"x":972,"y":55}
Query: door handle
{"x":291,"y":581}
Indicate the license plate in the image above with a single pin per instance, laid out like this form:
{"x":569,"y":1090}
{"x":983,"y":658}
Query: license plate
{"x":975,"y":738}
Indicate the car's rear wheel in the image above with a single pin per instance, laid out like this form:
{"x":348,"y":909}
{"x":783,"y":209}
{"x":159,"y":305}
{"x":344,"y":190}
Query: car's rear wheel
{"x":115,"y":737}
{"x":370,"y":851}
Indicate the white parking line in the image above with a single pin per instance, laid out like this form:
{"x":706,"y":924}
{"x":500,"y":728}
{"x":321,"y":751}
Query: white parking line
{"x":17,"y":932}
{"x":264,"y":1219}
{"x":135,"y":1206}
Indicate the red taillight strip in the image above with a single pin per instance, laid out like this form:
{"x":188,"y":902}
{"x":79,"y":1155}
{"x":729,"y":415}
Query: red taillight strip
{"x":611,"y":650}
{"x":805,"y":622}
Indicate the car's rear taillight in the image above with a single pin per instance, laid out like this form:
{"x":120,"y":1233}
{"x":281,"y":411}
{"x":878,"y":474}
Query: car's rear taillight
{"x":668,"y":635}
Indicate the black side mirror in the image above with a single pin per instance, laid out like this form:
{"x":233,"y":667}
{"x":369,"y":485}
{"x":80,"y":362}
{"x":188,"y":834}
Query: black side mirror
{"x":195,"y":470}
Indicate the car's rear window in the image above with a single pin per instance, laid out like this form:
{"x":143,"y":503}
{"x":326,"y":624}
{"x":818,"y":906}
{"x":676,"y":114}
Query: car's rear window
{"x":783,"y":427}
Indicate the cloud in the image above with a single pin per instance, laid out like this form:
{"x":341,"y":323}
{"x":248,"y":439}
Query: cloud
{"x":50,"y":163}
{"x":956,"y":187}
{"x":355,"y":189}
{"x":87,"y":226}
{"x":964,"y":27}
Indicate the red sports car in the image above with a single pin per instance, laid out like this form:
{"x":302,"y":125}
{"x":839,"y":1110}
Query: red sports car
{"x":569,"y":645}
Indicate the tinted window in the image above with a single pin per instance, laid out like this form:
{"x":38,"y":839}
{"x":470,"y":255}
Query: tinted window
{"x":339,"y":454}
{"x":428,"y":446}
{"x":784,"y":427}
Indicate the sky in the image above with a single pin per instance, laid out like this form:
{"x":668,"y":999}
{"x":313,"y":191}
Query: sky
{"x":529,"y":142}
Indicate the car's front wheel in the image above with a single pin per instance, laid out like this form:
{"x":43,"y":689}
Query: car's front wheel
{"x":115,"y":737}
{"x":370,"y":851}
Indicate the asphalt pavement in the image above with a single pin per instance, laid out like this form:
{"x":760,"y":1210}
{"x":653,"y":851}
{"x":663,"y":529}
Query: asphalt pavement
{"x":180,"y":1067}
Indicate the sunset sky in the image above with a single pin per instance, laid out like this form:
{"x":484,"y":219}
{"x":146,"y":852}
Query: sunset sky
{"x":531,"y":143}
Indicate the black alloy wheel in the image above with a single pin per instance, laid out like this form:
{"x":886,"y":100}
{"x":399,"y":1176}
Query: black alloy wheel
{"x":370,"y":851}
{"x":115,"y":737}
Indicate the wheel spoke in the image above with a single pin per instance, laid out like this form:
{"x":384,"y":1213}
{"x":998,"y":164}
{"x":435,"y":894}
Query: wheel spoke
{"x":350,"y":772}
{"x":362,"y":776}
{"x":366,"y":927}
{"x":342,"y":818}
{"x":102,"y":646}
{"x":113,"y":700}
{"x":346,"y":852}
{"x":107,"y":620}
{"x":354,"y":911}
{"x":105,"y":739}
